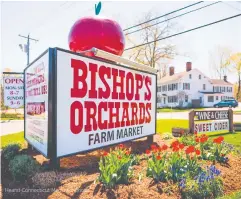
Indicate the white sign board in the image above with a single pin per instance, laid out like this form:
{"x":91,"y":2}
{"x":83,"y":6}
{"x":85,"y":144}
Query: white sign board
{"x":13,"y":91}
{"x":100,"y":104}
{"x":211,"y":126}
{"x":36,"y":104}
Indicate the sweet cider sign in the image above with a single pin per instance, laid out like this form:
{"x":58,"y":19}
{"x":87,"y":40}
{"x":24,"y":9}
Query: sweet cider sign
{"x":101,"y":103}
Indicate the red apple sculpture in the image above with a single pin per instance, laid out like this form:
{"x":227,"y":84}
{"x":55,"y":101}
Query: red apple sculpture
{"x":101,"y":33}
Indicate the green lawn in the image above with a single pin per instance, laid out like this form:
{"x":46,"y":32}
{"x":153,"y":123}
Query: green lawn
{"x":237,"y":112}
{"x":166,"y":125}
{"x":11,"y":118}
{"x":163,"y":126}
{"x":167,"y":110}
{"x":12,"y":138}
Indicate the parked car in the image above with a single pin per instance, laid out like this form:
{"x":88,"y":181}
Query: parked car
{"x":227,"y":103}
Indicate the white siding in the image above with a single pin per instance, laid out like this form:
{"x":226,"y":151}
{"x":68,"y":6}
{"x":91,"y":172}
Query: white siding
{"x":196,"y":86}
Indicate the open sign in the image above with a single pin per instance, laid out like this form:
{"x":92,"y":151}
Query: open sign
{"x":13,"y":90}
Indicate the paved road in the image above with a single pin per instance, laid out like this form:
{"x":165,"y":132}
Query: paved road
{"x":11,"y":126}
{"x":14,"y":126}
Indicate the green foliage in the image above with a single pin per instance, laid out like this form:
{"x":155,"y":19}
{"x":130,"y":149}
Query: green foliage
{"x":10,"y":151}
{"x":23,"y":167}
{"x":178,"y":166}
{"x":209,"y":190}
{"x":188,"y":140}
{"x":116,"y":167}
{"x":158,"y":167}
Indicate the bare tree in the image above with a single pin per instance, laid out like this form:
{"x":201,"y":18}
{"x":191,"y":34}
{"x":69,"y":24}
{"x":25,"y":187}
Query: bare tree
{"x":234,"y":62}
{"x":152,"y":54}
{"x":218,"y":61}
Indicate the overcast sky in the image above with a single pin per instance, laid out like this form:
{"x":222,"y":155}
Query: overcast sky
{"x":50,"y":22}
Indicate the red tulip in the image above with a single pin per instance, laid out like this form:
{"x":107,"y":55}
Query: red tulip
{"x":175,"y":143}
{"x":175,"y":149}
{"x":121,"y":146}
{"x":158,"y":157}
{"x":181,"y":146}
{"x":198,"y":152}
{"x":164,"y":147}
{"x":148,"y":151}
{"x":105,"y":153}
{"x":190,"y":149}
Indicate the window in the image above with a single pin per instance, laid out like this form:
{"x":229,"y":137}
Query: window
{"x":210,"y":99}
{"x":186,"y":86}
{"x":229,"y":89}
{"x":172,"y":99}
{"x":164,"y":88}
{"x":216,"y":97}
{"x":172,"y":87}
{"x":199,"y":76}
{"x":204,"y":86}
{"x":186,"y":98}
{"x":159,"y":89}
{"x":190,"y":76}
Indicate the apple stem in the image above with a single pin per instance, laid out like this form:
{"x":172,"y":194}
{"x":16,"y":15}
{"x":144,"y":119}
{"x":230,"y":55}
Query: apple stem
{"x":97,"y":8}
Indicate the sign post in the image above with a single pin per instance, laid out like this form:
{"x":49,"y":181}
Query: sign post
{"x":76,"y":104}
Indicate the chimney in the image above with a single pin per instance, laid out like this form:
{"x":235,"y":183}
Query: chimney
{"x":225,"y":78}
{"x":188,"y":66}
{"x":171,"y":70}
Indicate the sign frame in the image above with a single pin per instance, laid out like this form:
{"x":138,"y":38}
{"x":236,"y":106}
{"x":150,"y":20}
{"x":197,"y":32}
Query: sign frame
{"x":50,"y":99}
{"x":52,"y":106}
{"x":12,"y":73}
{"x":192,"y":114}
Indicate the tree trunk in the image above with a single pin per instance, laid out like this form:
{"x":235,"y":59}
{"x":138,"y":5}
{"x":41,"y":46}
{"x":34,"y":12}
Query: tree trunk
{"x":239,"y":87}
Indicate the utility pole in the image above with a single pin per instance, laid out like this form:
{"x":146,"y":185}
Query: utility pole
{"x":28,"y":45}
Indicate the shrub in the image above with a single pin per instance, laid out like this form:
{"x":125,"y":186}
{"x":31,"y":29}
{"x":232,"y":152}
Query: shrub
{"x":23,"y":167}
{"x":116,"y":167}
{"x":205,"y":185}
{"x":10,"y":151}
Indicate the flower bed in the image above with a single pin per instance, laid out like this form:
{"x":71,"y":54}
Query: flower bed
{"x":190,"y":166}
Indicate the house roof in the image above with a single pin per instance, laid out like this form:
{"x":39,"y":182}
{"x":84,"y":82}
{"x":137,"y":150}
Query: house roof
{"x":175,"y":77}
{"x":219,"y":82}
{"x":178,"y":76}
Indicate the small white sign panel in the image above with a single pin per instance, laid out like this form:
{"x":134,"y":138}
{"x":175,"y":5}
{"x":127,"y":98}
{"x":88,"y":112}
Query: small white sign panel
{"x":211,"y":126}
{"x":13,"y":91}
{"x":36,"y":104}
{"x":100,"y":104}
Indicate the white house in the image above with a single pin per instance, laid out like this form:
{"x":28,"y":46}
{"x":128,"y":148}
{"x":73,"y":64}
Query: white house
{"x":191,"y":88}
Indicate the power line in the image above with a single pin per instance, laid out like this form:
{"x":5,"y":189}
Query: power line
{"x":238,"y":15}
{"x":172,"y":18}
{"x":231,"y":6}
{"x":163,"y":15}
